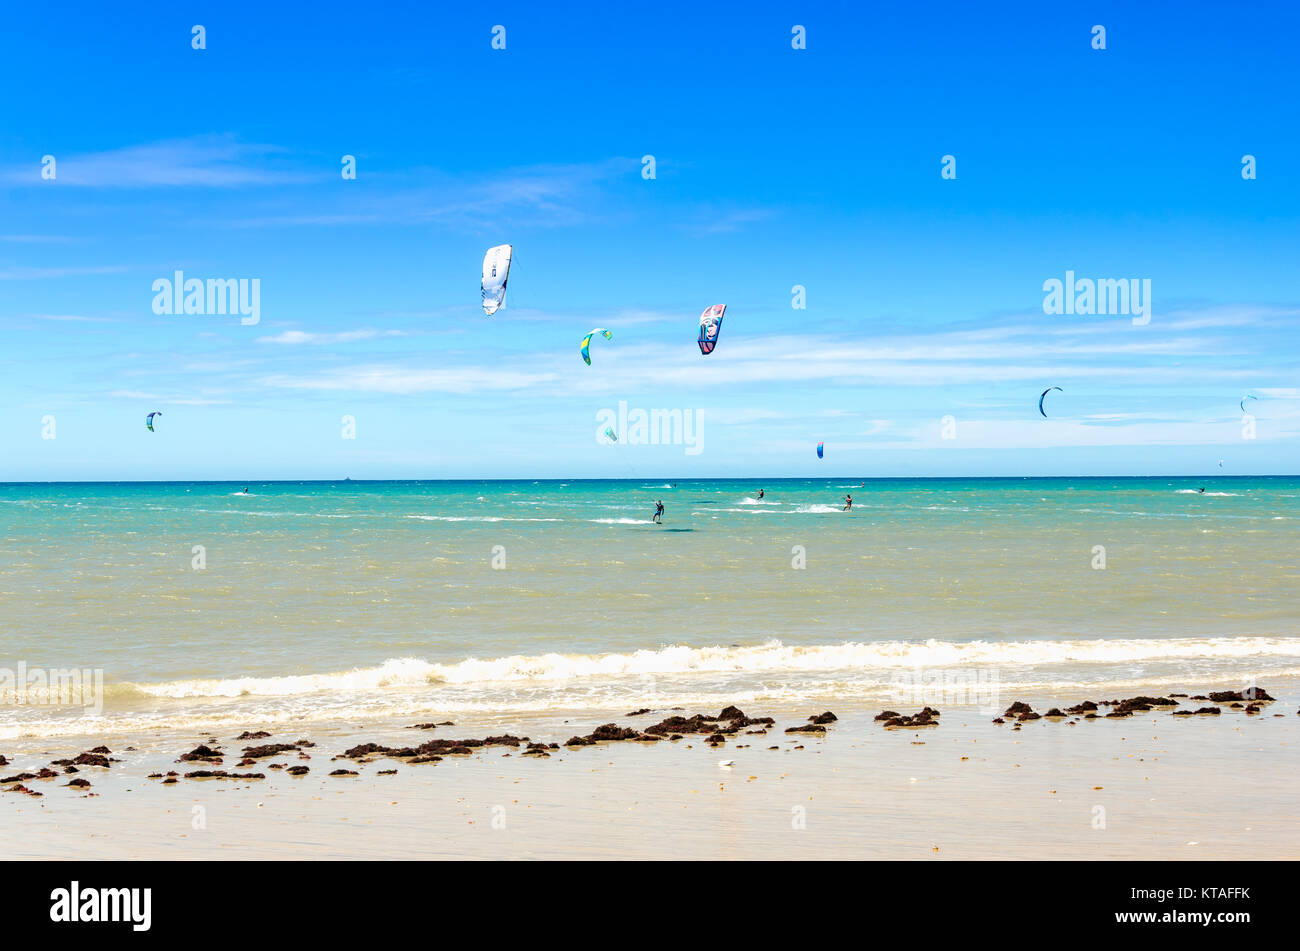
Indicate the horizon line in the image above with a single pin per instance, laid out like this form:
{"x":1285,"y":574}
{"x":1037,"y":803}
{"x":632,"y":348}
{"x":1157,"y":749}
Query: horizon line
{"x":532,"y":479}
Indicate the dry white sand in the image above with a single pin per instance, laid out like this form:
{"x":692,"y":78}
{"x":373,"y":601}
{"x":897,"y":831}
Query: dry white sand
{"x":1152,"y":786}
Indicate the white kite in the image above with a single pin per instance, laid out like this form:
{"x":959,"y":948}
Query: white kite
{"x":496,"y":270}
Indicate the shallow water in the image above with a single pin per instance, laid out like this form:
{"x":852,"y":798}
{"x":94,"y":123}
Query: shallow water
{"x":354,"y":600}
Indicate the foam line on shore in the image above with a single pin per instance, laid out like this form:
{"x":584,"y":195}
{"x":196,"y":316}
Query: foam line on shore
{"x":770,"y":657}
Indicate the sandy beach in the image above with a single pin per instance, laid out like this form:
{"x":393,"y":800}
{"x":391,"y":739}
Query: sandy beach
{"x":1151,"y":785}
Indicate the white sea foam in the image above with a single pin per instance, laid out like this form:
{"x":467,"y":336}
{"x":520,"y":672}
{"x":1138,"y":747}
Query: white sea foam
{"x":771,"y":657}
{"x":697,"y":678}
{"x":398,"y":671}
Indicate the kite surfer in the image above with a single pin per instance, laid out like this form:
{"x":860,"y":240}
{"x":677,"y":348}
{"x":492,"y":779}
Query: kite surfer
{"x":760,"y":493}
{"x":659,"y":513}
{"x":848,"y":503}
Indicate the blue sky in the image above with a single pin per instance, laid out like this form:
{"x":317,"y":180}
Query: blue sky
{"x":775,"y":167}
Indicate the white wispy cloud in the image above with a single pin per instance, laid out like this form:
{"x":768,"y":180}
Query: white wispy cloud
{"x":1229,"y":317}
{"x":1125,"y":385}
{"x":346,"y":336}
{"x":945,"y":358}
{"x":743,"y":416}
{"x":39,"y":273}
{"x":400,"y":380}
{"x":914,"y":363}
{"x":726,"y":222}
{"x":163,"y":400}
{"x":1061,"y":433}
{"x":72,"y":318}
{"x":613,"y":320}
{"x":37,"y":239}
{"x":540,"y":195}
{"x":208,"y":161}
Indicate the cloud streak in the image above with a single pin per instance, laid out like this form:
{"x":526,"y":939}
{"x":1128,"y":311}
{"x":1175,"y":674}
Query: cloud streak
{"x":346,"y":336}
{"x":397,"y":380}
{"x":212,"y":161}
{"x":541,"y":196}
{"x":41,"y":273}
{"x":912,"y":361}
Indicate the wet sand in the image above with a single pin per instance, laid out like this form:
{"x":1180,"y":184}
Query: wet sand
{"x":1150,"y":786}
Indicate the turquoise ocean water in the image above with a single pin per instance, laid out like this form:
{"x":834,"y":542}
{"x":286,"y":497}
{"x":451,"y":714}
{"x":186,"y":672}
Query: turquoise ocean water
{"x":305,"y":600}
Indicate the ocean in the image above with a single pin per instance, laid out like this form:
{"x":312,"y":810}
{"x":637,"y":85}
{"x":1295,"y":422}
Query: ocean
{"x":201,"y":606}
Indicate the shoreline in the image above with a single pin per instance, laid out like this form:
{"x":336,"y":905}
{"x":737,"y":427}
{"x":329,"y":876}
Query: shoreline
{"x":542,"y":686}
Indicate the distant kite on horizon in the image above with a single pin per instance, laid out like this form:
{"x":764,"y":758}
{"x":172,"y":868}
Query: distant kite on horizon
{"x":148,"y":420}
{"x":1044,"y":396}
{"x":820,"y":448}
